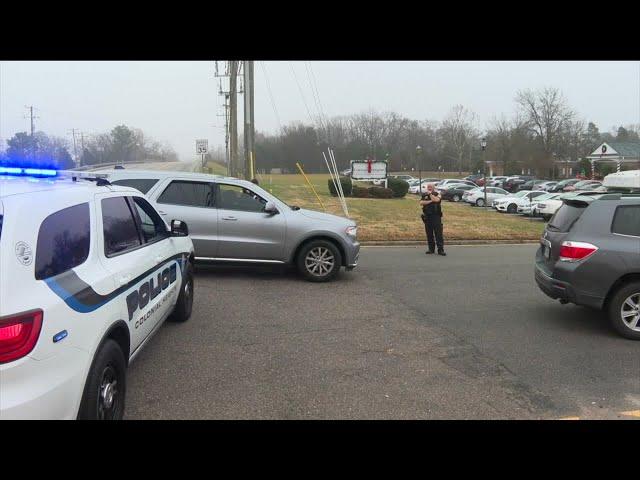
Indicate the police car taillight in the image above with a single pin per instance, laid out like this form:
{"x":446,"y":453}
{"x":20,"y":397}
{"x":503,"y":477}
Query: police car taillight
{"x":574,"y":251}
{"x":19,"y":334}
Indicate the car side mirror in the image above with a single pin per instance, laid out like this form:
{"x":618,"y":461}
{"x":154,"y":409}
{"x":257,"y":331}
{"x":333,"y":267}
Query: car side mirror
{"x":179,"y":228}
{"x":270,"y":208}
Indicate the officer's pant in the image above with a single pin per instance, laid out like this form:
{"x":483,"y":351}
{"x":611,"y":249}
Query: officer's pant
{"x":433,"y":227}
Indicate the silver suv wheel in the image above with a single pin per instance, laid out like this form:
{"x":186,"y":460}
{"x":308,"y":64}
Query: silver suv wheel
{"x":630,"y":312}
{"x":319,"y":262}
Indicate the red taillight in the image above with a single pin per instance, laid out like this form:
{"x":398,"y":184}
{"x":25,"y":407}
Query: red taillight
{"x":574,"y":251}
{"x":19,"y":334}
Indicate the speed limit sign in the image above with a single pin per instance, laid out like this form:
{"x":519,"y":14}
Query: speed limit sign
{"x":202,"y":147}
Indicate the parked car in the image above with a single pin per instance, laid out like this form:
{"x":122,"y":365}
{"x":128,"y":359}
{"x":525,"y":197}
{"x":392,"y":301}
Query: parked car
{"x":474,"y":177}
{"x":447,"y":186}
{"x":444,"y":184}
{"x":544,"y":186}
{"x":546,"y":208}
{"x":456,"y":192}
{"x":406,"y":178}
{"x":510,"y":204}
{"x":583,"y":186}
{"x":496,"y":181}
{"x":559,"y":187}
{"x":531,"y":209}
{"x":589,"y":255}
{"x":232,"y":220}
{"x":530,"y":184}
{"x":511,"y":184}
{"x":415,"y":188}
{"x":476,"y":196}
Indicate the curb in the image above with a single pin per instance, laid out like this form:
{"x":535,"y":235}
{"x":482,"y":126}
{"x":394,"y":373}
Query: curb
{"x":402,"y":243}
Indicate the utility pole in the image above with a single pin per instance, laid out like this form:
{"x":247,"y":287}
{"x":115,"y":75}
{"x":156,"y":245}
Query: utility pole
{"x":249,"y":124}
{"x":33,"y":129}
{"x":233,"y":118}
{"x":75,"y":150}
{"x":32,"y":117}
{"x":224,"y":92}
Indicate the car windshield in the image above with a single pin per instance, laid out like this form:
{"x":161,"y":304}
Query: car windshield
{"x":521,"y":193}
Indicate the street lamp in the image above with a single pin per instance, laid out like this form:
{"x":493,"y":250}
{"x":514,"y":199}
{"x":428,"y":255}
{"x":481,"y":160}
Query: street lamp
{"x":483,"y":144}
{"x":419,"y":159}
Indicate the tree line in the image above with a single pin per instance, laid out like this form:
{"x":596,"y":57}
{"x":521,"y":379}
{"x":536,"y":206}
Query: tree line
{"x":121,"y":144}
{"x":543,"y":128}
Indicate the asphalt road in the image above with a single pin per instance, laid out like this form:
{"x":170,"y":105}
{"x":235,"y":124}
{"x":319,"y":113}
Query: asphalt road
{"x":404,"y":336}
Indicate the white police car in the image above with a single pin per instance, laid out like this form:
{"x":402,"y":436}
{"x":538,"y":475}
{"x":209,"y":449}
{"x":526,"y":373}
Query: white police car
{"x":88,"y":271}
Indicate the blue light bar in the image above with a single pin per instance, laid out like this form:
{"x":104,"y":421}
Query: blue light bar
{"x":30,"y":172}
{"x":11,"y":170}
{"x":44,"y":172}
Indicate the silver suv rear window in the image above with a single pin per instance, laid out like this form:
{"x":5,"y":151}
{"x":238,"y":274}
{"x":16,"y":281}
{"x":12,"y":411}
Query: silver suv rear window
{"x":565,"y":217}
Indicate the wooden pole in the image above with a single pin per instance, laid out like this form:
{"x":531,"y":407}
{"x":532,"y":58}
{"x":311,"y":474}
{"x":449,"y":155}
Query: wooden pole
{"x":311,"y":185}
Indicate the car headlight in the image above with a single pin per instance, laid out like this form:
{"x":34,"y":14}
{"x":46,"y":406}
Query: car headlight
{"x":352,"y":232}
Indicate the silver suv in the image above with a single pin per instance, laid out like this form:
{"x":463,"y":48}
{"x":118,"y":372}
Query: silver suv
{"x":232,"y":220}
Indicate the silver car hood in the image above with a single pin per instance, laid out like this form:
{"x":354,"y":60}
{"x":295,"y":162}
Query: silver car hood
{"x":325,"y":217}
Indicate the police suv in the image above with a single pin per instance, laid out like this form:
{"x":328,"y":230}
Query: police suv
{"x":88,"y":272}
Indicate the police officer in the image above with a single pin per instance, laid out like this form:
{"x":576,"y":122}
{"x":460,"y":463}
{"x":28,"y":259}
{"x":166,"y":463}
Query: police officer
{"x":432,"y":218}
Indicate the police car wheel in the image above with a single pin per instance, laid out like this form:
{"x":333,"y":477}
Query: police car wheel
{"x":184,"y":305}
{"x":106,"y":387}
{"x":319,"y":261}
{"x":624,"y":311}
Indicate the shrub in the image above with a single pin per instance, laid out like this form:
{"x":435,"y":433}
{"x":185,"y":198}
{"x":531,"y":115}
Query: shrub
{"x":346,"y":186}
{"x":398,"y":186}
{"x":380,"y":192}
{"x":360,"y":192}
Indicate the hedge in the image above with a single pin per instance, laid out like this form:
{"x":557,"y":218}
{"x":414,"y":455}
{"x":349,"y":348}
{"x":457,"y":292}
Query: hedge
{"x":360,"y":192}
{"x":346,"y":186}
{"x":398,"y":186}
{"x":380,"y":192}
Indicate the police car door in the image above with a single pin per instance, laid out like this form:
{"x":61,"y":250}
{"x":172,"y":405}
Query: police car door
{"x":135,"y":265}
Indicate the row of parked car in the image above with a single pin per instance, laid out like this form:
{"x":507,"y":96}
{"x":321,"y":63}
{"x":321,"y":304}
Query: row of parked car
{"x":517,"y":194}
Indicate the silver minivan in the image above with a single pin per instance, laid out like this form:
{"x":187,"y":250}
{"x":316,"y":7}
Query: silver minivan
{"x":232,"y":220}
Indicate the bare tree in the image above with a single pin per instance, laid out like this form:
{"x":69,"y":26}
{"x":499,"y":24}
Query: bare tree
{"x":458,"y":130}
{"x":547,"y":115}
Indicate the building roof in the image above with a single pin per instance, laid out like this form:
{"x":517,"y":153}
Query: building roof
{"x":626,"y":149}
{"x":615,"y":149}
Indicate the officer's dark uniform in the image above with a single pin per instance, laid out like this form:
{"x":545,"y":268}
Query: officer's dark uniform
{"x":432,"y":217}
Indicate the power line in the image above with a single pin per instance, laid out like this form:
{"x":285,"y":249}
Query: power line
{"x":301,"y":93}
{"x":315,"y":100}
{"x":313,"y":84}
{"x":273,"y":103}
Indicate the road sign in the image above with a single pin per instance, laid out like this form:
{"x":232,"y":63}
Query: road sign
{"x":368,"y":170}
{"x":202,"y":147}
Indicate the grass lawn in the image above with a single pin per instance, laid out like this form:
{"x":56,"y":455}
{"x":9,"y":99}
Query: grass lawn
{"x":399,"y":218}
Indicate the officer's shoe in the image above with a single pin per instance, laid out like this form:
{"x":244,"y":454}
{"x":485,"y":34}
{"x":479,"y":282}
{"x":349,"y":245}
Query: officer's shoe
{"x":429,"y":252}
{"x":441,"y":252}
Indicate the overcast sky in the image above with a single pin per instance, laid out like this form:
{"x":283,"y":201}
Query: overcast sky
{"x":177,"y":102}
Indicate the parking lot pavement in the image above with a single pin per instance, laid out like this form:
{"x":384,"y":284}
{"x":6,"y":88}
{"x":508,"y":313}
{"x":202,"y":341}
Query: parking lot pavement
{"x":404,"y":336}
